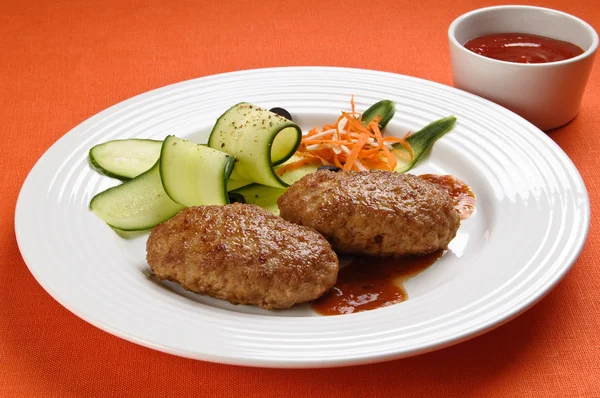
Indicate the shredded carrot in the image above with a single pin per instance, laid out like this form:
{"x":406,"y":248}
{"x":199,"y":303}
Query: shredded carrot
{"x":336,"y":161}
{"x":322,"y":142}
{"x":353,"y":156}
{"x":351,"y":144}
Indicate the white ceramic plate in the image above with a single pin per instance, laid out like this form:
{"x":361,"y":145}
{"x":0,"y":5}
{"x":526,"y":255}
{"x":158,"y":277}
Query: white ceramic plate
{"x":530,"y":223}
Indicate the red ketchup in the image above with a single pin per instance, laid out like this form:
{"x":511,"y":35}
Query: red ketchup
{"x":522,"y":48}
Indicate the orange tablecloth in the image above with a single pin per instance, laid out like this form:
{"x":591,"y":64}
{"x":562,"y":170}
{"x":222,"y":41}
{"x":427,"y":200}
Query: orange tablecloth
{"x":62,"y":61}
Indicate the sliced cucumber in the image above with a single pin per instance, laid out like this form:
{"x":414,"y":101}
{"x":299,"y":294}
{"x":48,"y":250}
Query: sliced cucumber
{"x":136,"y":205}
{"x":262,"y":195}
{"x":259,"y":139}
{"x":384,"y":109}
{"x":125,"y":159}
{"x":194,"y":175}
{"x":235,"y":184}
{"x":290,"y":177}
{"x":422,"y":141}
{"x":265,"y":196}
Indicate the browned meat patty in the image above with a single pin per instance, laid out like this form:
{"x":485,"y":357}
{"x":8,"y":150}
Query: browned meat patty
{"x":243,"y":254}
{"x":378,"y":213}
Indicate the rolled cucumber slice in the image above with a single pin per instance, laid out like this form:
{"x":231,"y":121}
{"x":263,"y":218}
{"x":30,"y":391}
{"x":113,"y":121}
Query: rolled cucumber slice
{"x":193,"y":174}
{"x":137,"y":204}
{"x":125,"y":159}
{"x":259,"y":139}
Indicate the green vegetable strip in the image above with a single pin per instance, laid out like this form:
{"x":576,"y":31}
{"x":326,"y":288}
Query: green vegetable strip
{"x":422,"y":141}
{"x":384,"y":108}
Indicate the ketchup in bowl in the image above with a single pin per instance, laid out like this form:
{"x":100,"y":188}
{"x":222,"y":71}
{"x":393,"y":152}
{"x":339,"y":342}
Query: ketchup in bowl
{"x":522,"y":48}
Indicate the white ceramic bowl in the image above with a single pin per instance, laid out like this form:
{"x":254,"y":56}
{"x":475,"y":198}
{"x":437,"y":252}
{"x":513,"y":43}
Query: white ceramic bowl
{"x":547,"y":94}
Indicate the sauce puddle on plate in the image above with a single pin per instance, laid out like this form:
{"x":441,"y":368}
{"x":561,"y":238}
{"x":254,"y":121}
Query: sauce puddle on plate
{"x":461,"y":194}
{"x":368,"y":283}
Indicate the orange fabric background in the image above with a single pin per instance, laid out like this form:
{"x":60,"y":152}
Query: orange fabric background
{"x":62,"y":61}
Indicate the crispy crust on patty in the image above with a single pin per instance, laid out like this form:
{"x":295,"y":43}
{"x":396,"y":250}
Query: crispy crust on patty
{"x":243,"y":254}
{"x":378,"y":213}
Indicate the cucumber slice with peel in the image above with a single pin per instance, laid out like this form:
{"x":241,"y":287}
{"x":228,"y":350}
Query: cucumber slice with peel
{"x":259,"y":139}
{"x":384,"y":109}
{"x":235,"y":184}
{"x":422,"y":141}
{"x":136,"y":205}
{"x":124,"y":159}
{"x":290,"y":177}
{"x":193,"y":174}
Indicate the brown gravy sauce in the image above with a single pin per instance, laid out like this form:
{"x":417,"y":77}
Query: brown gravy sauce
{"x":461,"y":194}
{"x":368,"y":283}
